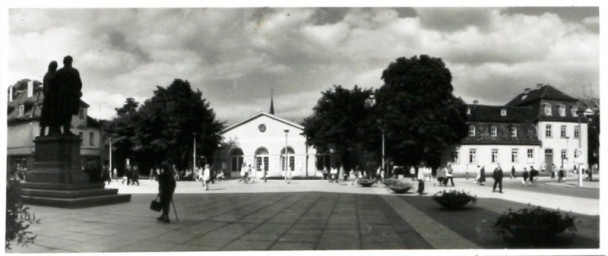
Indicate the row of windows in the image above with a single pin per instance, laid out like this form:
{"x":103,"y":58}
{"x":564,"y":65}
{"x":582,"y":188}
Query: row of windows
{"x":560,"y":108}
{"x":493,"y":131}
{"x":494,"y":157}
{"x":562,"y":131}
{"x":514,"y":155}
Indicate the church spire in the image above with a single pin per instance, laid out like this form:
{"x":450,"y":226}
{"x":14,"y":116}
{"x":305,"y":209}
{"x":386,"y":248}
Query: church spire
{"x":271,"y":103}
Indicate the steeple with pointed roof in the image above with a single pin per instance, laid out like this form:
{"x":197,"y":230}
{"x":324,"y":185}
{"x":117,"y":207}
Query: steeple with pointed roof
{"x":271,"y":102}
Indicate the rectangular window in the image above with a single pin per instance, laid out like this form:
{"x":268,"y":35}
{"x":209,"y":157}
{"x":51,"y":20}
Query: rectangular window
{"x":494,"y":155}
{"x":514,"y":156}
{"x":577,"y":132}
{"x":471,"y":130}
{"x":530,"y":153}
{"x":455,"y":157}
{"x":81,"y":138}
{"x":292,"y":163}
{"x":513,"y":131}
{"x":575,"y":153}
{"x":562,"y":131}
{"x":91,"y":139}
{"x":564,"y":154}
{"x":547,"y":110}
{"x":472,"y":156}
{"x":548,"y":131}
{"x":493,"y":131}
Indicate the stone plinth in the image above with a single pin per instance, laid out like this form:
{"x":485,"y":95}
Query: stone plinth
{"x":57,"y":160}
{"x":57,"y":178}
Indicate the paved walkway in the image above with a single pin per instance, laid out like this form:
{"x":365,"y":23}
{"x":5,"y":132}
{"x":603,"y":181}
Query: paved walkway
{"x":313,"y":215}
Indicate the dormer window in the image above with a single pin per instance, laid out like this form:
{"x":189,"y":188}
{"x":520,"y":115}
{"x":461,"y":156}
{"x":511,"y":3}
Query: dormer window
{"x":21,"y":110}
{"x":574,"y":109}
{"x":547,"y":108}
{"x":503,"y":112}
{"x":468,"y":111}
{"x":493,"y":131}
{"x":471,"y":130}
{"x":562,"y":110}
{"x":81,"y":113}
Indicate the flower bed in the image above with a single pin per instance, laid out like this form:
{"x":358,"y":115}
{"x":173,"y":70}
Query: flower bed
{"x":366,"y":182}
{"x":533,"y":225}
{"x":453,"y":199}
{"x":400,"y":188}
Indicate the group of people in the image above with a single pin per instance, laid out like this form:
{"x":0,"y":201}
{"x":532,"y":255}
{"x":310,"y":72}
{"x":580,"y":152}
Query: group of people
{"x":340,"y":175}
{"x":247,"y":172}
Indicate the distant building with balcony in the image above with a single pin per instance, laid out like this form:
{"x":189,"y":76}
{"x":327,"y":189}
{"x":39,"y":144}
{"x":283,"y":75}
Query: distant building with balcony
{"x":25,"y":100}
{"x":540,"y":127}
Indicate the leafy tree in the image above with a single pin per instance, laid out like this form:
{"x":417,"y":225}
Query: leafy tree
{"x":122,"y":131}
{"x":339,"y":122}
{"x":171,"y":119}
{"x":416,"y":108}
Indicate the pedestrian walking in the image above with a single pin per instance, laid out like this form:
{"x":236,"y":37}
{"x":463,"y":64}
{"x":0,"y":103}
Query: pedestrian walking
{"x":525,"y":177}
{"x":206,"y":176}
{"x":449,"y":175}
{"x":441,"y":176}
{"x":211,"y":174}
{"x":497,"y":175}
{"x":560,"y":174}
{"x":333,"y":175}
{"x":115,"y":174}
{"x":135,"y":175}
{"x":243,"y":171}
{"x":325,"y":173}
{"x":533,"y":173}
{"x":166,"y":187}
{"x":105,"y":174}
{"x":482,"y":176}
{"x":512,"y":172}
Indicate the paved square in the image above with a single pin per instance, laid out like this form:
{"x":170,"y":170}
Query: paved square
{"x":305,"y":215}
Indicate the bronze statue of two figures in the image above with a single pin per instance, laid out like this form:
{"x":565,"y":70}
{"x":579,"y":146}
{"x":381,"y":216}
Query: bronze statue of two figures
{"x":62,"y":92}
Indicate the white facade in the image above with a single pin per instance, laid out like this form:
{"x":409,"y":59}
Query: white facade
{"x":556,"y":148}
{"x":569,"y":148}
{"x":260,"y":141}
{"x":519,"y":156}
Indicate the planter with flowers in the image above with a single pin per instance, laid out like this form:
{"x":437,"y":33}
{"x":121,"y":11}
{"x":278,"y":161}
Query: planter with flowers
{"x":454,"y":199}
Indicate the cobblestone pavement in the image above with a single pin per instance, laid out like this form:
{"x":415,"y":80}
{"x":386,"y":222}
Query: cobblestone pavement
{"x":303,"y":215}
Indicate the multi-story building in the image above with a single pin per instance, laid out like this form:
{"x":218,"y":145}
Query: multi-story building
{"x":541,"y":127}
{"x":25,"y":100}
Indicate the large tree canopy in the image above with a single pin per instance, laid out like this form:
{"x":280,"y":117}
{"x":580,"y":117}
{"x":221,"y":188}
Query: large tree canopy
{"x":339,"y":122}
{"x":417,"y":110}
{"x":164,"y":127}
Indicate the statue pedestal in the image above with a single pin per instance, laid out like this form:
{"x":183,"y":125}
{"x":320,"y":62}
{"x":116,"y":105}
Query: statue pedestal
{"x":57,"y":178}
{"x":57,"y":160}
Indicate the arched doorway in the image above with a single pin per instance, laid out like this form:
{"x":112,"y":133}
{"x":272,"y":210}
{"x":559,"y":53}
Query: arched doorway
{"x":290,"y":157}
{"x":236,"y":161}
{"x":261,"y":159}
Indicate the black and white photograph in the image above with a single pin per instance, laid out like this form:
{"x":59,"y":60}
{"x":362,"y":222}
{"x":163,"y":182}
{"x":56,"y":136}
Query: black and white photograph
{"x":378,"y":129}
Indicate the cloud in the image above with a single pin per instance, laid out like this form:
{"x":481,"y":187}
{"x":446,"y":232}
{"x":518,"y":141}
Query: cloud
{"x":455,"y":19}
{"x":235,"y":56}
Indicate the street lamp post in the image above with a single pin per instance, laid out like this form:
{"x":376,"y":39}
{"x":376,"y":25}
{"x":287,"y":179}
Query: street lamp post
{"x":383,"y":152}
{"x":194,"y":152}
{"x":579,"y":112}
{"x":110,"y":158}
{"x":287,"y":173}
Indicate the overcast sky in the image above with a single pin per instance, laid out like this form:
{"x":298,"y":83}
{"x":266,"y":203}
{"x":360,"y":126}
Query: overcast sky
{"x":234,"y":56}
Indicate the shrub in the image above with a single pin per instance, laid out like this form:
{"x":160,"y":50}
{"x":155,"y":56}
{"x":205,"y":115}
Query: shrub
{"x":454,"y":199}
{"x":18,"y":217}
{"x":534,"y":224}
